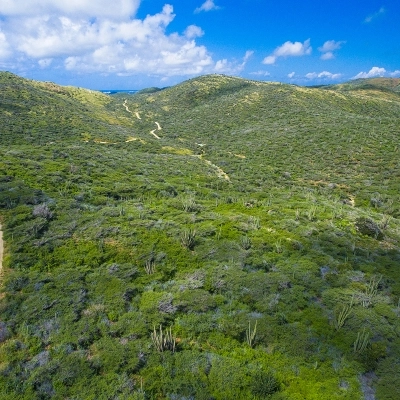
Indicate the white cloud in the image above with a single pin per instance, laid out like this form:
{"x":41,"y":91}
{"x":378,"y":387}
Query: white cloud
{"x":232,"y":67}
{"x":375,"y":72}
{"x":269,"y":60}
{"x":247,"y":55}
{"x":208,"y":5}
{"x":293,"y":49}
{"x":372,"y":73}
{"x":260,"y":73}
{"x":119,"y":9}
{"x":5,"y":50}
{"x":102,"y":39}
{"x":291,"y":75}
{"x":327,"y":56}
{"x":371,"y":17}
{"x":193,"y":31}
{"x":331,"y":45}
{"x":222,"y":66}
{"x":45,"y":62}
{"x":289,"y":49}
{"x":57,"y":36}
{"x":323,"y":75}
{"x":311,"y":75}
{"x":240,"y":67}
{"x":329,"y":75}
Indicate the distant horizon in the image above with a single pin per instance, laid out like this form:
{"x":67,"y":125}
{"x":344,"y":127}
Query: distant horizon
{"x":135,"y":90}
{"x":141,"y":44}
{"x":118,"y":90}
{"x":128,"y":89}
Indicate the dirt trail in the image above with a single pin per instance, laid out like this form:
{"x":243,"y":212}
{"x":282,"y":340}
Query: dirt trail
{"x":1,"y":250}
{"x":126,"y":107}
{"x":129,"y":111}
{"x":153,"y":131}
{"x":220,"y":172}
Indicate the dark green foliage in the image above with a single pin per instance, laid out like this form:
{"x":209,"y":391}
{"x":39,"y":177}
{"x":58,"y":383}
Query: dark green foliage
{"x":149,"y":90}
{"x":264,"y":385}
{"x":368,"y":227}
{"x":260,"y":231}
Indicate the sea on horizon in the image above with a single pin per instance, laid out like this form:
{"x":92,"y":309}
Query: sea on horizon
{"x":115,"y":91}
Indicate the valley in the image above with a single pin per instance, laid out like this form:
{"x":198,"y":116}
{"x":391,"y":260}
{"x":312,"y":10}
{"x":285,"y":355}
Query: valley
{"x":222,"y":238}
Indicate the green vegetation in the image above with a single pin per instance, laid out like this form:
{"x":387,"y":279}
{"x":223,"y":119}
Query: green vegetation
{"x":149,"y":90}
{"x":222,"y":238}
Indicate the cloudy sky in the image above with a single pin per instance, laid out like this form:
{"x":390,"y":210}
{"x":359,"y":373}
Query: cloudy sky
{"x":132,"y":44}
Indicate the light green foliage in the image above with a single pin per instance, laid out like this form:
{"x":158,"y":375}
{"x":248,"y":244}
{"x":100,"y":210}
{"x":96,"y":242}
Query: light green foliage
{"x":259,"y":202}
{"x":189,"y":204}
{"x":264,"y":385}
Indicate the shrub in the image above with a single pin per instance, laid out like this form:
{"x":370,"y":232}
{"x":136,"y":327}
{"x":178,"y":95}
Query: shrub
{"x":163,"y":340}
{"x":369,"y":228}
{"x":264,"y":384}
{"x":42,"y":210}
{"x":245,"y":243}
{"x":188,"y":239}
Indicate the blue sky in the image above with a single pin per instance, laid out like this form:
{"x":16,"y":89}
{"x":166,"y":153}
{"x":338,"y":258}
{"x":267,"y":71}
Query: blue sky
{"x":132,"y":44}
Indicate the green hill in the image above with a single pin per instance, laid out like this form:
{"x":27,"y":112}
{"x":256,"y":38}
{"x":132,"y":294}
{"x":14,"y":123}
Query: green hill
{"x":223,"y":238}
{"x":383,"y":84}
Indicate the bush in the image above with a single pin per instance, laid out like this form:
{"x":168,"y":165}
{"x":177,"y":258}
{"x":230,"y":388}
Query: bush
{"x":264,"y":384}
{"x":42,"y":210}
{"x":369,"y":228}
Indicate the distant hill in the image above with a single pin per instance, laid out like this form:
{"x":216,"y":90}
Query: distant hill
{"x":149,"y":90}
{"x":388,"y":84}
{"x":385,"y":83}
{"x":222,"y":238}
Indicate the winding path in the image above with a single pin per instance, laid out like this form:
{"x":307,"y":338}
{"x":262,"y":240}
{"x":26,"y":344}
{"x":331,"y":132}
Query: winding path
{"x":126,"y":107}
{"x":129,"y":111}
{"x":153,"y":131}
{"x":219,"y":171}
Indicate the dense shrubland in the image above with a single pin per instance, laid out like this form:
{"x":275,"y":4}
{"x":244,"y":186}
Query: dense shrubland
{"x":135,"y":269}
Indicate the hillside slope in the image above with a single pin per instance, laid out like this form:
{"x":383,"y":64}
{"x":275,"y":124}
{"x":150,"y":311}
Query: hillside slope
{"x":222,"y":238}
{"x":42,"y":111}
{"x":382,"y":84}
